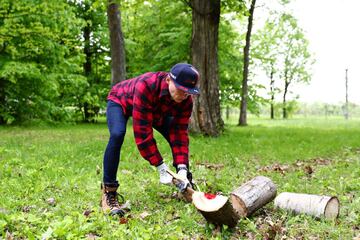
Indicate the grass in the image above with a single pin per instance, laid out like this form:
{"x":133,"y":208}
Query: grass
{"x":64,"y":163}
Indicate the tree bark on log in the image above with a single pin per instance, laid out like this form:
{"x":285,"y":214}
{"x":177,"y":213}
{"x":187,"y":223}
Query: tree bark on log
{"x":220,"y":210}
{"x":253,"y":195}
{"x":315,"y":205}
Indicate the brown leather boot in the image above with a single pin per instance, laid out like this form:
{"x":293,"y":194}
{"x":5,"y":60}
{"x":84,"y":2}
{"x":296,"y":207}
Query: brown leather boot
{"x":109,"y":200}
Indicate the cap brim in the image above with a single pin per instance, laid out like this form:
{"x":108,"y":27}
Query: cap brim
{"x":192,"y":91}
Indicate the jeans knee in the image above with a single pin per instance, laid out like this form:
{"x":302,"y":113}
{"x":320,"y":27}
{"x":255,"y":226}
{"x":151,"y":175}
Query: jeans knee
{"x":118,"y":136}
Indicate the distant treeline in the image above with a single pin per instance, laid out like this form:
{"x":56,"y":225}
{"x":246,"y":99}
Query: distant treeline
{"x":301,"y":109}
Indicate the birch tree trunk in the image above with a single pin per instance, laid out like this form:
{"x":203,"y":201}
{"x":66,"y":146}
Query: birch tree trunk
{"x":244,"y":89}
{"x":272,"y":89}
{"x":206,"y":116}
{"x":117,"y":45}
{"x":315,"y":205}
{"x":253,"y":195}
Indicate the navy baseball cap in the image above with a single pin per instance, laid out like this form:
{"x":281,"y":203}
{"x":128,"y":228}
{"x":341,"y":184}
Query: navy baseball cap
{"x":185,"y":77}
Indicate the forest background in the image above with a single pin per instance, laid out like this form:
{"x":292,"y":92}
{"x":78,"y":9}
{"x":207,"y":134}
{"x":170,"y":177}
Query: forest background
{"x":55,"y":59}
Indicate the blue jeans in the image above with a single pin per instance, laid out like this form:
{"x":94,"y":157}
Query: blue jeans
{"x":116,"y":122}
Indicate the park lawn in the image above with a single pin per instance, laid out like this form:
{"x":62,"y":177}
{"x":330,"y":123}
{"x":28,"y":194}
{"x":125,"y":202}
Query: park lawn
{"x":319,"y":156}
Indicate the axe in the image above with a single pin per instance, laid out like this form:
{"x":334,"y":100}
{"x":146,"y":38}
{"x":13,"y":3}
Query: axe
{"x":215,"y":208}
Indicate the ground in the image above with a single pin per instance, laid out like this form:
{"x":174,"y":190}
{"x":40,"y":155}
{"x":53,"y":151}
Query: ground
{"x":50,"y":181}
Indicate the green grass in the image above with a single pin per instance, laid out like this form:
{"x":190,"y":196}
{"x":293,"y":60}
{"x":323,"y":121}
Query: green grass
{"x":64,"y":163}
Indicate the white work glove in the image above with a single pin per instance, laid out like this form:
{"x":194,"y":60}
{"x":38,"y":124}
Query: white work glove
{"x":182,"y":171}
{"x":165,"y":177}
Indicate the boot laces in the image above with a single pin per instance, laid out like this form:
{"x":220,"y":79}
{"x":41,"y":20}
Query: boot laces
{"x":112,"y":199}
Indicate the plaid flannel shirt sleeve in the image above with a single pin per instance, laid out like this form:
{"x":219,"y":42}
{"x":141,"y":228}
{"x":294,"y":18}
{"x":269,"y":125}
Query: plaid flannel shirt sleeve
{"x":142,"y":124}
{"x":179,"y":136}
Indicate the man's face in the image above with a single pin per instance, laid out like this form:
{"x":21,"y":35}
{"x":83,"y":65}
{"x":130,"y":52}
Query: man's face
{"x":176,"y":94}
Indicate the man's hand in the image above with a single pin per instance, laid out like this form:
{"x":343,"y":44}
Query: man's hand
{"x":185,"y":175}
{"x":165,"y":177}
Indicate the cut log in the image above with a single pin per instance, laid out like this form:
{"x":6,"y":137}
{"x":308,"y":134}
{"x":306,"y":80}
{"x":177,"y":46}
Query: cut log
{"x":252,"y":195}
{"x":216,"y":209}
{"x":315,"y":205}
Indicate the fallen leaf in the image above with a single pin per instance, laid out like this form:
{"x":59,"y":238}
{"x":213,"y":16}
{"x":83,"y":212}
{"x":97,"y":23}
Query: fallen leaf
{"x":51,"y":201}
{"x":26,"y":209}
{"x":212,"y":166}
{"x":87,"y":213}
{"x":275,"y":168}
{"x":126,"y":206}
{"x":144,"y":214}
{"x":321,"y":161}
{"x":125,"y":172}
{"x":9,"y":236}
{"x":91,"y":236}
{"x":123,"y":220}
{"x":308,"y":170}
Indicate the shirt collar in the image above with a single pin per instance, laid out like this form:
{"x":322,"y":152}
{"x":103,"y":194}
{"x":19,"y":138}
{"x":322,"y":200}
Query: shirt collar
{"x":164,"y":87}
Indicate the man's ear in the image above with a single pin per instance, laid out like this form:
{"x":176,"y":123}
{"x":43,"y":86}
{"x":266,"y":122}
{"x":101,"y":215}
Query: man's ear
{"x":167,"y":79}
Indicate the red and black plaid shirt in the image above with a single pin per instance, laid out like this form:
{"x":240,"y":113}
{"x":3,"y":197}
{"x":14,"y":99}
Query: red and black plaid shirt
{"x":147,"y":99}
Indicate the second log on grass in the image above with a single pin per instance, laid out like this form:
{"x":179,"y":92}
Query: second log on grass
{"x":252,"y":195}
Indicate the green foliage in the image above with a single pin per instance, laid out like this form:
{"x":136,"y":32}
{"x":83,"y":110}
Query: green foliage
{"x":96,"y":68}
{"x":231,"y":68}
{"x":281,"y":51}
{"x":65,"y":162}
{"x":230,"y":63}
{"x":36,"y":45}
{"x":55,"y":65}
{"x":157,"y":35}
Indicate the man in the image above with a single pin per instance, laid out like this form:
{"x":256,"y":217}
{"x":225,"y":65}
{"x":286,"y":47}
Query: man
{"x":158,"y":100}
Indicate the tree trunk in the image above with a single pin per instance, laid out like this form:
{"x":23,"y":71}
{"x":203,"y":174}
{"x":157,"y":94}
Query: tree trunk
{"x":2,"y":100}
{"x":87,"y":67}
{"x":227,"y":112}
{"x":244,"y":89}
{"x":285,"y":115}
{"x":117,"y":45}
{"x":318,"y":206}
{"x":272,"y":89}
{"x":346,"y":96}
{"x":206,"y":115}
{"x":253,"y":195}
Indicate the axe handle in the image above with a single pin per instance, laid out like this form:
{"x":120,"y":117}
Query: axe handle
{"x":187,"y":194}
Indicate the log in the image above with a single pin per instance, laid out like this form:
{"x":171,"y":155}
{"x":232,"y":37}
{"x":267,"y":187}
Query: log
{"x":216,"y":209}
{"x":252,"y":195}
{"x":315,"y":205}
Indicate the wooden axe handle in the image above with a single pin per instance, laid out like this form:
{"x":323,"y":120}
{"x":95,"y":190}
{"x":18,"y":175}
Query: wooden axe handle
{"x":176,"y":179}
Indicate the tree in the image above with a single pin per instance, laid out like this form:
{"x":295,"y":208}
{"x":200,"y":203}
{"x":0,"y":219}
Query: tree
{"x":244,"y":89}
{"x":266,"y":41}
{"x":118,"y":70}
{"x":296,"y":57}
{"x":206,"y":117}
{"x":230,"y":56}
{"x":166,"y":44}
{"x":94,"y":42}
{"x":37,"y":50}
